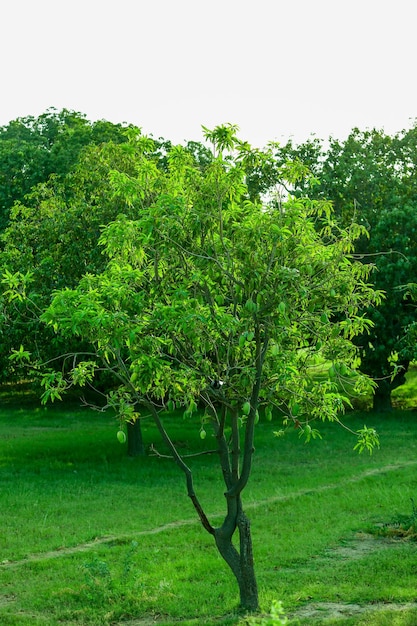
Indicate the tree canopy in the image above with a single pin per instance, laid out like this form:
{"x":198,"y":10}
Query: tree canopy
{"x":34,"y":148}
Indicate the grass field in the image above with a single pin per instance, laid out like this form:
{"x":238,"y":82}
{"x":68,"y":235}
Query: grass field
{"x":89,"y":536}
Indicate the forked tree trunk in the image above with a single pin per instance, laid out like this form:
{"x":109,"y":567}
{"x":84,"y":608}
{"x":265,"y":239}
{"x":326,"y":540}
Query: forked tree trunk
{"x":240,"y":561}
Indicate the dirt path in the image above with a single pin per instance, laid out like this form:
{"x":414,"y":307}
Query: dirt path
{"x":90,"y":545}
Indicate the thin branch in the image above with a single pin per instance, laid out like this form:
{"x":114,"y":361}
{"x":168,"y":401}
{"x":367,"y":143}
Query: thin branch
{"x":154,"y":452}
{"x":68,"y":355}
{"x":235,"y":446}
{"x":248,"y":449}
{"x":224,"y":449}
{"x":362,"y":255}
{"x":206,"y":258}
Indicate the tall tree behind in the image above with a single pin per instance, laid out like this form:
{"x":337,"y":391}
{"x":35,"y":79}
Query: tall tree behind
{"x":33,"y":148}
{"x":371,"y":178}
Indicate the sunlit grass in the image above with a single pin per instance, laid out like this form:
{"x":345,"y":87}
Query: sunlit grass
{"x":405,"y":397}
{"x":65,"y":482}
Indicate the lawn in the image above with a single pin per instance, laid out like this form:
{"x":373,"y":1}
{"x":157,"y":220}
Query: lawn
{"x":89,"y":536}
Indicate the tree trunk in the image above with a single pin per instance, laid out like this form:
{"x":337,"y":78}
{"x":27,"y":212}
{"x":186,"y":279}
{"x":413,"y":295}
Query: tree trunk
{"x":135,"y":445}
{"x":248,"y":586}
{"x":382,"y":401}
{"x":240,"y":562}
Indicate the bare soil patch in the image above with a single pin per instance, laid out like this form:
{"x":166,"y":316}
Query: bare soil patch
{"x":337,"y":610}
{"x":361,"y":545}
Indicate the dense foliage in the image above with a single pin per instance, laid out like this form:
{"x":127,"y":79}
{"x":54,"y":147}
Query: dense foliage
{"x":211,"y":298}
{"x":59,"y":164}
{"x":371,"y":178}
{"x":34,"y":148}
{"x":52,"y":236}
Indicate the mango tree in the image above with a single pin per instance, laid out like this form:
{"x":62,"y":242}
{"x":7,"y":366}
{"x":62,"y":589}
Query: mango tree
{"x":222,"y":305}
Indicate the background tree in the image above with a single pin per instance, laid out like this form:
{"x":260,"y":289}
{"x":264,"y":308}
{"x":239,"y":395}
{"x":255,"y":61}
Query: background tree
{"x":34,"y":148}
{"x":223,"y":306}
{"x":371,"y":178}
{"x":52,"y":237}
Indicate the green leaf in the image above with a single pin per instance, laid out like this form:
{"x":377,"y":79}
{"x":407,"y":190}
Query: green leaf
{"x":20,"y":355}
{"x":367,"y":440}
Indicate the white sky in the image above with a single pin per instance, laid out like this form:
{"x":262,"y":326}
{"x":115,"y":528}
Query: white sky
{"x":277,"y":68}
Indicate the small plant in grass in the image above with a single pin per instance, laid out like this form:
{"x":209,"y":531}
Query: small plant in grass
{"x":275,"y":616}
{"x":403,"y":526}
{"x":98,"y":580}
{"x":101,"y":583}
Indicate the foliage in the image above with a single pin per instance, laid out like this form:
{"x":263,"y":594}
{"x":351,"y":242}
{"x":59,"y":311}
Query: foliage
{"x":34,"y":148}
{"x":370,"y":178}
{"x":51,"y":239}
{"x":212,"y":299}
{"x":276,"y":616}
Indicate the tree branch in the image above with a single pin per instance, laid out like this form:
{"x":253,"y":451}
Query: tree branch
{"x":184,"y":468}
{"x":154,"y":452}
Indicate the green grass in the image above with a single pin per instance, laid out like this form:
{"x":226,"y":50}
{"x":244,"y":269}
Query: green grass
{"x":77,"y":518}
{"x":405,"y":397}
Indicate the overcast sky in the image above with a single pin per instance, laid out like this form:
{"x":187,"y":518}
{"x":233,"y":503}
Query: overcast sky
{"x":277,"y":68}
